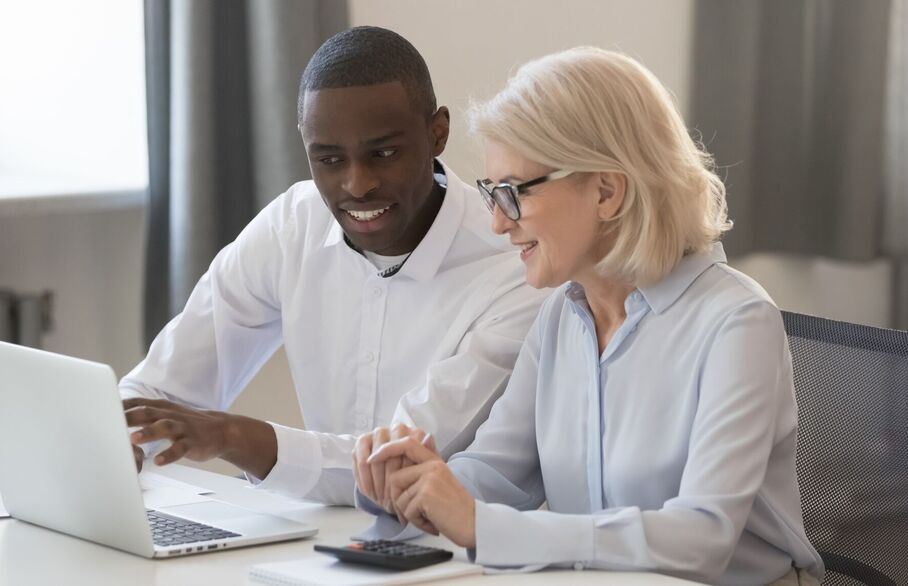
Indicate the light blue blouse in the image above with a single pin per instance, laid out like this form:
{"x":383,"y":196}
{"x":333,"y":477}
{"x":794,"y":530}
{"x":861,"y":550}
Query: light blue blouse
{"x":673,"y":451}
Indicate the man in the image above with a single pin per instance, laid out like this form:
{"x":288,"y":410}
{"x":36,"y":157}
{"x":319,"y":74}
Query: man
{"x":381,"y":277}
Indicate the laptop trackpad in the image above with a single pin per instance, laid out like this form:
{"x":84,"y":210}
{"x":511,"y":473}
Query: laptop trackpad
{"x":208,"y":512}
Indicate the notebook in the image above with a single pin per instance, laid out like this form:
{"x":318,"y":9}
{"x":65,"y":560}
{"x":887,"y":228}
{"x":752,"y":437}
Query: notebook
{"x":327,"y":571}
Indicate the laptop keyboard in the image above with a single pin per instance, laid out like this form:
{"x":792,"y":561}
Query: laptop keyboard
{"x":167,"y":530}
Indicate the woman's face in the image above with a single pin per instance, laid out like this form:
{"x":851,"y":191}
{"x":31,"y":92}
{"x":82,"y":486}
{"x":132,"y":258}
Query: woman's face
{"x":560,"y":230}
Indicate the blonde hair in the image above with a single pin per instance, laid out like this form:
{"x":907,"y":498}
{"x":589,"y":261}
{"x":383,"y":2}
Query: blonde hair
{"x":591,"y":110}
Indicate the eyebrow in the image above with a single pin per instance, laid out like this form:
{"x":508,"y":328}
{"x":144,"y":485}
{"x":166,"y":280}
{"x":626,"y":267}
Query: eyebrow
{"x":371,"y":142}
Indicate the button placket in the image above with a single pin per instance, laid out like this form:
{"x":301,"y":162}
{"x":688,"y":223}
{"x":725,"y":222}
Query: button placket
{"x":373,"y":316}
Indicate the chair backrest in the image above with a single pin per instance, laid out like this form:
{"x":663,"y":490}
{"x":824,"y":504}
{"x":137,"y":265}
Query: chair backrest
{"x":852,"y":391}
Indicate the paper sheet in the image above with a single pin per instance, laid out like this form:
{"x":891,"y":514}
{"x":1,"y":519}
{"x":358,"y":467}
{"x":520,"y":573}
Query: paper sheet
{"x":3,"y":512}
{"x":152,"y":480}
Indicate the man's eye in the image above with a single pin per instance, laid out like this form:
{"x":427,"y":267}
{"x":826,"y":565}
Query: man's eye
{"x":385,"y":153}
{"x":329,"y":160}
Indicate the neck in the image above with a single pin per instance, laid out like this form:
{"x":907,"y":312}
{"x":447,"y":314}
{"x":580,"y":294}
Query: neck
{"x":420,"y":225}
{"x":606,"y":297}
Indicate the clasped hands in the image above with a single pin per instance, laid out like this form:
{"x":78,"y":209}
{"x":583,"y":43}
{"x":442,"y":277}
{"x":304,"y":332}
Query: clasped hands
{"x":400,"y":470}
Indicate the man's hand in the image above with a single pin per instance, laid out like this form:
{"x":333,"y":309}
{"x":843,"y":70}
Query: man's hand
{"x":428,"y":494}
{"x":139,"y":455}
{"x":373,"y":479}
{"x":202,"y":435}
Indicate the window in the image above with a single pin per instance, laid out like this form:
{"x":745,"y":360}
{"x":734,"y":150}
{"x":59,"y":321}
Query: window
{"x":72,"y":103}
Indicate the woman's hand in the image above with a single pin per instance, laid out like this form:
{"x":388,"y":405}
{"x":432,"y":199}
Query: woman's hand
{"x":428,"y":494}
{"x":372,"y":478}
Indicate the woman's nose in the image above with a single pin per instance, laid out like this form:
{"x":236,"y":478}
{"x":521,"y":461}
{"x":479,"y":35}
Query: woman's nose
{"x":501,"y":224}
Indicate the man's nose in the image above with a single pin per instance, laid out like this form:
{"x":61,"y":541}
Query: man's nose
{"x":360,"y":180}
{"x":501,"y":224}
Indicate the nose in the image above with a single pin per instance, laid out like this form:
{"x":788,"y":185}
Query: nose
{"x":360,"y":180}
{"x":501,"y":224}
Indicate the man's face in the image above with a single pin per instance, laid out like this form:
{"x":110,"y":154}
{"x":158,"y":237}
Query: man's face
{"x":371,"y":152}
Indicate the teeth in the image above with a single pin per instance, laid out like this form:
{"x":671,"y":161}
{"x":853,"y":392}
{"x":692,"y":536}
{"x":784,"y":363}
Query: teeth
{"x":529,"y":245}
{"x":367,"y":216}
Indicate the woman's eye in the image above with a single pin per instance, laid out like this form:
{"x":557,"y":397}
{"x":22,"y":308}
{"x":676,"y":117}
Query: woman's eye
{"x":385,"y":153}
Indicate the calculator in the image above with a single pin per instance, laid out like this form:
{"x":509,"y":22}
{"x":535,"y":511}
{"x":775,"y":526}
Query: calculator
{"x":397,"y":555}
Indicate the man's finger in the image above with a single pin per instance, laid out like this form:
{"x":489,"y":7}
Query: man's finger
{"x":144,"y":414}
{"x":172,"y":454}
{"x":144,"y":402}
{"x":408,"y":447}
{"x":139,"y":455}
{"x":161,"y":429}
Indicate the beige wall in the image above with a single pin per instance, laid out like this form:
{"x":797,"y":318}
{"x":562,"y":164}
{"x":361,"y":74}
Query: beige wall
{"x":472,"y":45}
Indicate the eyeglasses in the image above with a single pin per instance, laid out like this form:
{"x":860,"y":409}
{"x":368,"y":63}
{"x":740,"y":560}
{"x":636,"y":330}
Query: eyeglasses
{"x":504,"y":195}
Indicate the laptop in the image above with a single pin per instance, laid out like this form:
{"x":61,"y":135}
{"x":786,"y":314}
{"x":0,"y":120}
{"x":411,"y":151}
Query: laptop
{"x":66,"y":464}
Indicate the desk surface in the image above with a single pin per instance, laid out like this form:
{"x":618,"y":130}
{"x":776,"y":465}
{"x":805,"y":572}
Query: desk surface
{"x":33,"y":556}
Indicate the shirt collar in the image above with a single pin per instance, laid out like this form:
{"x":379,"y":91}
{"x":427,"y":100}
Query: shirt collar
{"x":426,"y":259}
{"x":664,"y":293}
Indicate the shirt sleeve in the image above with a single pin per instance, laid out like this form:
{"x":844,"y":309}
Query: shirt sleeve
{"x":455,"y":399}
{"x":461,"y":389}
{"x":746,"y":406}
{"x":230,"y":326}
{"x":502,"y":463}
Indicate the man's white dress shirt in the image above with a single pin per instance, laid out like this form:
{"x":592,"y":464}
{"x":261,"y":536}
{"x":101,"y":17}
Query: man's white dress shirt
{"x":671,"y":451}
{"x":431,"y":346}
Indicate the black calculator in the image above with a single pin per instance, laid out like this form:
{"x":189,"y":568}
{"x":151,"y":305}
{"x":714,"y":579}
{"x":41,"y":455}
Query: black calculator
{"x":397,"y":555}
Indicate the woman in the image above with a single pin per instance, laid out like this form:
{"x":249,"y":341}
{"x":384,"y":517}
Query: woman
{"x":652,"y":405}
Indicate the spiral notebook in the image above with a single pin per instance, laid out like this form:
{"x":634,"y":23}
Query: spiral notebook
{"x":328,"y":571}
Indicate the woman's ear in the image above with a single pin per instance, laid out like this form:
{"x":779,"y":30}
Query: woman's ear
{"x":611,"y":187}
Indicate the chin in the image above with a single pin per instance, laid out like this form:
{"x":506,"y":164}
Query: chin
{"x":537,"y":281}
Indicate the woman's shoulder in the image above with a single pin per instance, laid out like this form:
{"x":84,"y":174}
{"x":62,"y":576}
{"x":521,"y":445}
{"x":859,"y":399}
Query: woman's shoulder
{"x":722,"y":292}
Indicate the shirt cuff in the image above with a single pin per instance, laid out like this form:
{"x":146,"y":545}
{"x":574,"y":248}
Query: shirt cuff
{"x":508,"y":537}
{"x":298,"y":465}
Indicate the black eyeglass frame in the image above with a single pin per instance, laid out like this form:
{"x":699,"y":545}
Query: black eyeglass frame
{"x":505,"y":195}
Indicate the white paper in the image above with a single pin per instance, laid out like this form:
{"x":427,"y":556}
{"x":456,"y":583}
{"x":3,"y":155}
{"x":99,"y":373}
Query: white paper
{"x":152,"y":480}
{"x":3,"y":512}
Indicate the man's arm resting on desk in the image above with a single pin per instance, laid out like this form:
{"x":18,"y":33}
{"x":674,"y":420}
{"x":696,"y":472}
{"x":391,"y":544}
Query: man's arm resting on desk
{"x":200,"y":435}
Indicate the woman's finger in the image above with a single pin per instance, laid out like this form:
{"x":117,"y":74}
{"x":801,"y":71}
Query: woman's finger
{"x":408,"y":447}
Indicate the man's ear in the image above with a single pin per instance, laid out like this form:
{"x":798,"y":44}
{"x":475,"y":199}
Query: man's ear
{"x":440,"y":127}
{"x":611,"y":187}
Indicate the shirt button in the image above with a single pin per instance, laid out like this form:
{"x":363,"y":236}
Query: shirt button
{"x":578,"y":566}
{"x":370,"y":357}
{"x":377,"y":292}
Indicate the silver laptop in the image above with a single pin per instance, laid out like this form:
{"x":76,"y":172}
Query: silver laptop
{"x":66,"y":464}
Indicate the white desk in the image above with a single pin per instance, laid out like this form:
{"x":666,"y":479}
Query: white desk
{"x":33,"y":556}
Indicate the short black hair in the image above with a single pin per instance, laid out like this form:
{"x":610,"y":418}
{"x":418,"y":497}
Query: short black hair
{"x":369,"y":55}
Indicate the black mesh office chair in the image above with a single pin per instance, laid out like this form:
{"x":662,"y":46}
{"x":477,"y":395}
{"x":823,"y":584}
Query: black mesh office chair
{"x":852,"y":390}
